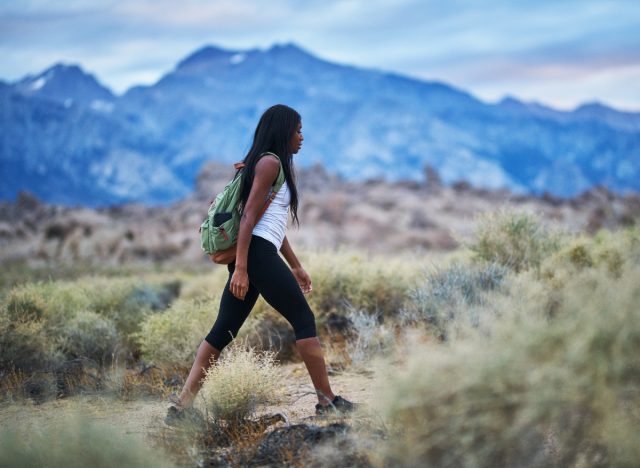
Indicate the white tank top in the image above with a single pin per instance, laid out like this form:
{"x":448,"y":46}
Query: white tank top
{"x":273,"y":224}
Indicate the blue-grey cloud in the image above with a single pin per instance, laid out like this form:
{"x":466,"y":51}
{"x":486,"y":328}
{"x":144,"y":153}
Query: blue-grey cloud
{"x":589,"y":48}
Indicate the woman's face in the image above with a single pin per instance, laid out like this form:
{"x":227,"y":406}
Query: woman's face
{"x":296,"y":140}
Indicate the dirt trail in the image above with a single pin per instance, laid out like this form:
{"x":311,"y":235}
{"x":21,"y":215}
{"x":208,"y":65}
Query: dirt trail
{"x":137,"y":417}
{"x":141,"y":417}
{"x":300,"y":398}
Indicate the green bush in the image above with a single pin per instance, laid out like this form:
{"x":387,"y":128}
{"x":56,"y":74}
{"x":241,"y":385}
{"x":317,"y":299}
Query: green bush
{"x":240,"y":382}
{"x":516,"y":240}
{"x":125,"y":301}
{"x":44,"y":323}
{"x":52,"y":301}
{"x":535,"y":391}
{"x":171,"y":338}
{"x":375,"y":284}
{"x":204,"y":286}
{"x":76,"y":442}
{"x":607,"y":250}
{"x":26,"y":346}
{"x":89,"y":335}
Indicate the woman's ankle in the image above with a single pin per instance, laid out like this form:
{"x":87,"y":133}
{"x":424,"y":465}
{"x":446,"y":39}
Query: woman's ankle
{"x":184,"y":401}
{"x":324,"y":399}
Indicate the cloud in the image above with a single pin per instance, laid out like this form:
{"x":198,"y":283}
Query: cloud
{"x":476,"y":45}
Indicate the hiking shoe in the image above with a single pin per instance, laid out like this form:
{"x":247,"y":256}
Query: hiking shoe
{"x":178,"y":415}
{"x":174,"y":416}
{"x":338,"y":404}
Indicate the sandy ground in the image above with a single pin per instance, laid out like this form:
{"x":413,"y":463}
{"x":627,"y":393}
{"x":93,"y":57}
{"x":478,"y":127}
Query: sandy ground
{"x":144,"y":416}
{"x":300,"y":398}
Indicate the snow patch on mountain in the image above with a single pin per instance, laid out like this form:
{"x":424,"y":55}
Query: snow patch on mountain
{"x":39,"y":83}
{"x":101,"y":106}
{"x":237,"y":58}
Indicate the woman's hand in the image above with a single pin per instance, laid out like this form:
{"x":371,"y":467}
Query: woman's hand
{"x":239,"y":284}
{"x":303,"y":279}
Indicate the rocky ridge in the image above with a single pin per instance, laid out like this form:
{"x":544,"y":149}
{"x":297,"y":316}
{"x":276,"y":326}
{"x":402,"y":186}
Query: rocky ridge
{"x":374,"y":215}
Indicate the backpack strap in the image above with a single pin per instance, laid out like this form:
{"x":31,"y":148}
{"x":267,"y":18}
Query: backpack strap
{"x":279,"y":180}
{"x":277,"y":185}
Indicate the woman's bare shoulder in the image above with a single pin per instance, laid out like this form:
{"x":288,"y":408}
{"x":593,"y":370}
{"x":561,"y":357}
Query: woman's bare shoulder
{"x":268,"y":166}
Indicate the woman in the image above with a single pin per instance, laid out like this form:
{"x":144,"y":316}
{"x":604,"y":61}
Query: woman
{"x":258,"y":269}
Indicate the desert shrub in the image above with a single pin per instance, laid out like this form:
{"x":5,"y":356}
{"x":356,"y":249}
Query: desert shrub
{"x":125,"y":301}
{"x":536,"y":391}
{"x":369,"y":337}
{"x":270,"y":332}
{"x":171,"y":338}
{"x":76,"y":442}
{"x":607,"y":250}
{"x":43,"y":323}
{"x":516,"y":240}
{"x":452,"y":294}
{"x":373,"y":284}
{"x":240,"y":382}
{"x":122,"y":300}
{"x":89,"y":335}
{"x":205,"y":286}
{"x":26,"y":346}
{"x":52,"y":301}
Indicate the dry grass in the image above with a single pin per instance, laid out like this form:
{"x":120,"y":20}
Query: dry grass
{"x":240,"y":382}
{"x":145,"y":381}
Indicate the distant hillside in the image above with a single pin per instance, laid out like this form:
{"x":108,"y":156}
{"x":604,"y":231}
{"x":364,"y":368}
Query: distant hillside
{"x":68,"y":139}
{"x":333,"y":212}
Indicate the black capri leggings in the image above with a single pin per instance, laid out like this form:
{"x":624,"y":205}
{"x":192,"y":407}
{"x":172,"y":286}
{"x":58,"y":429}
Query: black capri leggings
{"x":271,"y":277}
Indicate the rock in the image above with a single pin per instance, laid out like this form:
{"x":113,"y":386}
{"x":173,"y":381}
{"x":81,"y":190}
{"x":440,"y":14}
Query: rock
{"x":285,"y":444}
{"x":27,"y":201}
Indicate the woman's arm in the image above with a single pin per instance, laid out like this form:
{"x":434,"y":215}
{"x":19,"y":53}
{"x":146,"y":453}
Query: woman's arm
{"x":265,"y":173}
{"x":304,"y":280}
{"x":288,"y":254}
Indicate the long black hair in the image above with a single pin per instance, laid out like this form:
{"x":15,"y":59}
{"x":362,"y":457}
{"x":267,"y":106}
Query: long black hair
{"x":274,"y":133}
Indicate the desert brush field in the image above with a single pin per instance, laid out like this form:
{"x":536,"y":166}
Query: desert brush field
{"x":518,"y":347}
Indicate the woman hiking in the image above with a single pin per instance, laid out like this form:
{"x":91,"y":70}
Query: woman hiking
{"x":258,"y":268}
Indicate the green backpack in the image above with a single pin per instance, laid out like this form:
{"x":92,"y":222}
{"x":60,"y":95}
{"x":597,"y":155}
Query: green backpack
{"x":219,"y":230}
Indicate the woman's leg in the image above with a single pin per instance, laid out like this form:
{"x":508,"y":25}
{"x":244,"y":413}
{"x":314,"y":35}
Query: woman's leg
{"x":311,"y":351}
{"x":275,"y":282}
{"x":205,"y":356}
{"x":232,"y":314}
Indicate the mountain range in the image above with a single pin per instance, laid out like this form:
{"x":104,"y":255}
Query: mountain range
{"x":69,"y":139}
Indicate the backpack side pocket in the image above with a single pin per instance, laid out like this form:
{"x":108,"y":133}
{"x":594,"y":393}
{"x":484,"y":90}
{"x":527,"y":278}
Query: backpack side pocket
{"x":205,"y":236}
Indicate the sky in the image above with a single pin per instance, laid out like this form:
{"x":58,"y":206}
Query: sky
{"x":560,"y":53}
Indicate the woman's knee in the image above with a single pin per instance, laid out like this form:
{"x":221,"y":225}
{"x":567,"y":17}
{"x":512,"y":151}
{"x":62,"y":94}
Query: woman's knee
{"x":305,"y":330}
{"x":208,"y":350}
{"x":218,"y":340}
